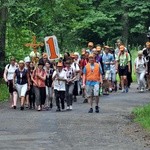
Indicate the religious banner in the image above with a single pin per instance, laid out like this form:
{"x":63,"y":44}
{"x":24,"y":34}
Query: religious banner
{"x":52,"y":48}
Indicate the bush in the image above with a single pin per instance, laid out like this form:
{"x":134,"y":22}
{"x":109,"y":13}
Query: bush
{"x":4,"y":94}
{"x":142,"y":116}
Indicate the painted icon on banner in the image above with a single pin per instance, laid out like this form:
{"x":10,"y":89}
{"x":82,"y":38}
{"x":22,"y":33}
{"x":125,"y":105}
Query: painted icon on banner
{"x":52,"y":48}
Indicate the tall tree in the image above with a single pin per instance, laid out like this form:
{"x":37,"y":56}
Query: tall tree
{"x":3,"y":20}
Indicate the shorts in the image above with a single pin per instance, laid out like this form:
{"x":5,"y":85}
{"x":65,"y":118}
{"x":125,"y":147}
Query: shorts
{"x":108,"y":75}
{"x":22,"y":89}
{"x":92,"y":90}
{"x":123,"y":71}
{"x":10,"y":86}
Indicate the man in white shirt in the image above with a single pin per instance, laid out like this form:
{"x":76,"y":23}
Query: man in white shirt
{"x":8,"y":77}
{"x":59,"y":80}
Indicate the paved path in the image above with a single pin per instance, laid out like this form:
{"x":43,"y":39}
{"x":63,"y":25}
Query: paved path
{"x":76,"y":130}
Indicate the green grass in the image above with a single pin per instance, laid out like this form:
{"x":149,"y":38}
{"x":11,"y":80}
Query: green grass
{"x":4,"y":94}
{"x":142,"y":116}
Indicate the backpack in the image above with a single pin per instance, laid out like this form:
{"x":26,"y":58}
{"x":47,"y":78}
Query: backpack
{"x":7,"y":69}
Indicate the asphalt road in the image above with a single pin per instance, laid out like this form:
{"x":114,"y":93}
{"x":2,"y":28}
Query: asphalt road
{"x":74,"y":130}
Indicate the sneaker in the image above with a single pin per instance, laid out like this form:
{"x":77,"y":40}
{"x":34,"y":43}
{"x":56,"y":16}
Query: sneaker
{"x":127,"y":89}
{"x":96,"y":109}
{"x":110,"y":89}
{"x":14,"y":107}
{"x":142,"y":90}
{"x":123,"y":91}
{"x":51,"y":105}
{"x":85,"y":100}
{"x":21,"y":108}
{"x":39,"y":108}
{"x":70,"y":107}
{"x":62,"y":107}
{"x":91,"y":110}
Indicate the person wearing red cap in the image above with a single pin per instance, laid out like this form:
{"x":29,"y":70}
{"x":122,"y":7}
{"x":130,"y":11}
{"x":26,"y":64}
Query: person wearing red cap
{"x":92,"y":78}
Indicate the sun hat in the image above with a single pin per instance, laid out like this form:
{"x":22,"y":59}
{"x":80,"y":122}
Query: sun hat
{"x":59,"y":64}
{"x":21,"y":62}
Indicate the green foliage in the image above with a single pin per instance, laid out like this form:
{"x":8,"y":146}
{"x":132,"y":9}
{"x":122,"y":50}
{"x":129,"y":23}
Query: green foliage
{"x":4,"y":91}
{"x":142,"y":116}
{"x":74,"y":22}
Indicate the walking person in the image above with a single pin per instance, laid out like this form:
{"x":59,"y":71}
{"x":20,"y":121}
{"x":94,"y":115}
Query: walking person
{"x":71,"y":76}
{"x":108,"y":60}
{"x":22,"y":78}
{"x":92,"y":78}
{"x":27,"y":66}
{"x":38,"y":77}
{"x":49,"y":90}
{"x":8,"y":77}
{"x":31,"y":91}
{"x":140,"y":68}
{"x":123,"y":67}
{"x":59,"y":77}
{"x":75,"y":66}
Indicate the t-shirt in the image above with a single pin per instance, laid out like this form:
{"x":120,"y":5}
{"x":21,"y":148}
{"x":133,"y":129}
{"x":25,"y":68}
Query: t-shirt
{"x":140,"y":64}
{"x":70,"y":72}
{"x":49,"y":74}
{"x":60,"y":85}
{"x":123,"y":59}
{"x":75,"y":68}
{"x":10,"y":71}
{"x":107,"y":58}
{"x":40,"y":82}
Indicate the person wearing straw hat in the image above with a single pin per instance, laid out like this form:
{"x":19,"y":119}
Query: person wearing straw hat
{"x":140,"y":69}
{"x":22,"y":82}
{"x":59,"y":77}
{"x":92,"y":78}
{"x":8,"y":77}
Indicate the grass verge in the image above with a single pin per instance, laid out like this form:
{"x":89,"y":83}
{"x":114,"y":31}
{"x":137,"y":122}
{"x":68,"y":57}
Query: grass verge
{"x":142,"y":116}
{"x":4,"y":94}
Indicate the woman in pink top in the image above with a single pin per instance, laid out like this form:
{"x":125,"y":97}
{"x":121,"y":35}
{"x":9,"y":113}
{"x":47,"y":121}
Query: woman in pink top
{"x":38,"y":78}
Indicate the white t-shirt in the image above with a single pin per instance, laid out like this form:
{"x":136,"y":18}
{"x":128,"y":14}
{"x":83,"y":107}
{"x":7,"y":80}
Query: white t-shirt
{"x":60,"y":85}
{"x":75,"y":68}
{"x":140,"y":64}
{"x":10,"y":71}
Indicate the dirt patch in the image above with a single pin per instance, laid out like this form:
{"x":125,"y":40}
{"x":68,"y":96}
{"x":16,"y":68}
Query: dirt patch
{"x":136,"y":132}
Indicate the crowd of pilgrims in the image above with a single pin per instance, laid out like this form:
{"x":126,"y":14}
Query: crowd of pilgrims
{"x":39,"y":86}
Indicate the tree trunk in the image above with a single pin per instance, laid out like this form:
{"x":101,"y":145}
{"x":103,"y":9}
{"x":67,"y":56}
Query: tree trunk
{"x":125,"y":32}
{"x":3,"y":19}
